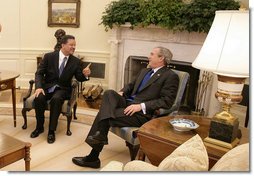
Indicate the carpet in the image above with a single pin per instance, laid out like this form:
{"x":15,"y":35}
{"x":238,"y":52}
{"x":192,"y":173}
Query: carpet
{"x":57,"y":156}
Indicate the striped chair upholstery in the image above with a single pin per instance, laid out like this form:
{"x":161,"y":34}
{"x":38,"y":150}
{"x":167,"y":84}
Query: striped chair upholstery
{"x":129,"y":134}
{"x":68,"y":106}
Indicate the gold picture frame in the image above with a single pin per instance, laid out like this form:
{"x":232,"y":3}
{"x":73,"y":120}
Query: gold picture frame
{"x":64,"y":13}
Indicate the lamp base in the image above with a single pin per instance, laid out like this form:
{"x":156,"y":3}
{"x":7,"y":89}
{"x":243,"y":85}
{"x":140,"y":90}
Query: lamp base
{"x":222,"y":143}
{"x":223,"y":130}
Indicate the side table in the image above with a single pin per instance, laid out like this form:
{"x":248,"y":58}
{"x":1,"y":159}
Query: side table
{"x":158,"y":138}
{"x":8,"y":81}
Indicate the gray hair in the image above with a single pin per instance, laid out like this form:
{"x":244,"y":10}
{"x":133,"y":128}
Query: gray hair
{"x":166,"y":53}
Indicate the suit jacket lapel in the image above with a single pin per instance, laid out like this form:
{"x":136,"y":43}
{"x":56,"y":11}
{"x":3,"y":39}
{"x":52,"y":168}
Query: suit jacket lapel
{"x":154,"y":77}
{"x":56,"y":63}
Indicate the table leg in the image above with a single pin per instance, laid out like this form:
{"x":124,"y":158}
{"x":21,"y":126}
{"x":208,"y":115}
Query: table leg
{"x":14,"y":103}
{"x":141,"y":155}
{"x":27,"y":156}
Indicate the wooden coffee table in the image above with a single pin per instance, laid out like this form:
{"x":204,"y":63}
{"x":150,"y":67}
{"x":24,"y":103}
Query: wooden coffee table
{"x":158,"y":138}
{"x":12,"y":150}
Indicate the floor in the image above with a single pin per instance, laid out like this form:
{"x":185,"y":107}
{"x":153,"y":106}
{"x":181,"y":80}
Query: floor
{"x":57,"y":156}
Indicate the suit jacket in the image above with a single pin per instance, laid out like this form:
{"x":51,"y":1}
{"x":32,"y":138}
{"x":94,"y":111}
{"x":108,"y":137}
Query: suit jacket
{"x":47,"y":73}
{"x":159,"y":92}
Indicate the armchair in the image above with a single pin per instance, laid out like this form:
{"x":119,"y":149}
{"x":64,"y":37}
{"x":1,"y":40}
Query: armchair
{"x":68,"y":106}
{"x":190,"y":156}
{"x":129,"y":134}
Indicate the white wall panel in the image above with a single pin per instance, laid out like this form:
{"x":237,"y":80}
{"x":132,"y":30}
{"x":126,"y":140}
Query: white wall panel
{"x":9,"y":64}
{"x":25,"y":63}
{"x":30,"y":67}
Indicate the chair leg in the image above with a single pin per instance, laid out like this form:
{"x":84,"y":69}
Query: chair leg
{"x":133,"y":149}
{"x":68,"y":132}
{"x":74,"y":110}
{"x":24,"y":110}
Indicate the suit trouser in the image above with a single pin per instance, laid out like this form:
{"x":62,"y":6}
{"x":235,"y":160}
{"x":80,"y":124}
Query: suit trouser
{"x":111,"y":114}
{"x":56,"y":101}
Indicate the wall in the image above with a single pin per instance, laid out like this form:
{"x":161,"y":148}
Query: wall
{"x":25,"y":35}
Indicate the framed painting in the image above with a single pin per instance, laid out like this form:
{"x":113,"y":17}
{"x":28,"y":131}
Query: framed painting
{"x":64,"y":13}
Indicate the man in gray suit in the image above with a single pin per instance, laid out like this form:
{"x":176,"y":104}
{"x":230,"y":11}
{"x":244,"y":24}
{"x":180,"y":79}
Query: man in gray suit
{"x":155,"y":87}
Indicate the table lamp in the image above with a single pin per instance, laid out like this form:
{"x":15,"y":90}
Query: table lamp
{"x":225,"y":52}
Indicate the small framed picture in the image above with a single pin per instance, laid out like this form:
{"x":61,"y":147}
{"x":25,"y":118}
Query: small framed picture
{"x":64,"y":13}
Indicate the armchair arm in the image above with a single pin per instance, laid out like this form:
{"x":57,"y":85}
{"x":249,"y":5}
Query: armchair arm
{"x":31,"y":82}
{"x":73,"y":98}
{"x":163,"y":112}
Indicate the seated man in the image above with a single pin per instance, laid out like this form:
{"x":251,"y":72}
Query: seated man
{"x":155,"y":87}
{"x":53,"y":82}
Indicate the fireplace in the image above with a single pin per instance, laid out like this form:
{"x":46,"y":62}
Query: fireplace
{"x":125,"y":42}
{"x":134,"y":64}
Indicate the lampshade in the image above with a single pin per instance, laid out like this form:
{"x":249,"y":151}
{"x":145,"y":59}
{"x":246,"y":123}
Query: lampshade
{"x":226,"y":48}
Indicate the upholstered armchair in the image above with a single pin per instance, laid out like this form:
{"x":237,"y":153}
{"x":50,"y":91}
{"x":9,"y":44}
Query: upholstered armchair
{"x":69,"y":107}
{"x":129,"y":134}
{"x":190,"y":156}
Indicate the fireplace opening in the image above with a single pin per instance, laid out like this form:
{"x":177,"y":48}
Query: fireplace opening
{"x":134,"y":64}
{"x":98,"y":69}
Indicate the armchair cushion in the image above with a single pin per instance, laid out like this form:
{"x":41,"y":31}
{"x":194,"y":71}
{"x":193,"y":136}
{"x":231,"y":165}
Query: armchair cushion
{"x":236,"y":159}
{"x":113,"y":166}
{"x":190,"y":156}
{"x":137,"y":165}
{"x":183,"y":80}
{"x":29,"y":103}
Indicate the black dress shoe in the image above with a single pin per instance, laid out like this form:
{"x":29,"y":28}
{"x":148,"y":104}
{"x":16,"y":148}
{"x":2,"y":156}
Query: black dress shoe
{"x":82,"y":161}
{"x":97,"y":139}
{"x":51,"y":138}
{"x":36,"y":133}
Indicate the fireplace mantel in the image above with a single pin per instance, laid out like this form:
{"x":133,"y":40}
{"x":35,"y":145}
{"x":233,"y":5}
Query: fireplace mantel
{"x":140,"y":41}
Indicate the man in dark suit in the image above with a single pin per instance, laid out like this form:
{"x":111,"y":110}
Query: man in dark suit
{"x":154,"y":88}
{"x":53,"y":82}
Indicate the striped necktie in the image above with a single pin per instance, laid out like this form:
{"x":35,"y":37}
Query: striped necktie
{"x":62,"y":66}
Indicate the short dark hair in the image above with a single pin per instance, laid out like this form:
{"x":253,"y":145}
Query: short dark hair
{"x":65,"y":38}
